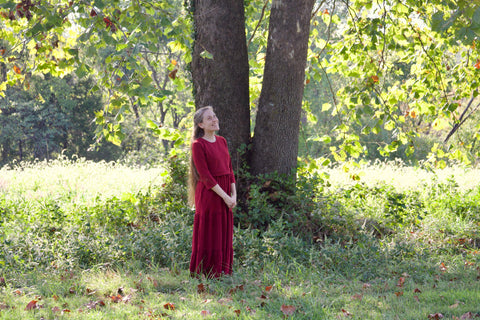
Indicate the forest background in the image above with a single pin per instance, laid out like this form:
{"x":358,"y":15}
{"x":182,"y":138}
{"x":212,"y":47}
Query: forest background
{"x":377,"y":126}
{"x":383,"y":80}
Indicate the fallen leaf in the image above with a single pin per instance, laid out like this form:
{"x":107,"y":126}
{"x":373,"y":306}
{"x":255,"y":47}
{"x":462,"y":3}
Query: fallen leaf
{"x":127,"y":298}
{"x":169,"y":306}
{"x":237,"y":288}
{"x":417,"y":290}
{"x":469,"y":315}
{"x":31,"y":305}
{"x":401,"y":281}
{"x":443,"y":267}
{"x":477,"y":65}
{"x":237,"y":312}
{"x":469,"y":263}
{"x":205,"y":313}
{"x":224,"y":301}
{"x":116,"y":299}
{"x":56,"y":309}
{"x":94,"y":304}
{"x":399,"y":293}
{"x":268,"y":288}
{"x":17,"y":70}
{"x":435,"y":316}
{"x":287,"y":310}
{"x":346,"y":313}
{"x":416,"y":298}
{"x":250,"y":309}
{"x":366,"y":285}
{"x":201,"y":288}
{"x":357,"y":297}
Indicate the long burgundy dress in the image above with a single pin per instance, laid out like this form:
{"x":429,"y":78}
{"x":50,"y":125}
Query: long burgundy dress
{"x":212,"y":247}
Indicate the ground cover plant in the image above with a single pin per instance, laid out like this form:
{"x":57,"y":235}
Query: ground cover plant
{"x":84,"y":240}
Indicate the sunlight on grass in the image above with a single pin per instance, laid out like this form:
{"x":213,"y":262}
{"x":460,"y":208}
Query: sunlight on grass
{"x":79,"y":182}
{"x":403,"y":177}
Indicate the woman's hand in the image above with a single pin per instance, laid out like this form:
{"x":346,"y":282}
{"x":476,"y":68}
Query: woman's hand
{"x":231,"y":202}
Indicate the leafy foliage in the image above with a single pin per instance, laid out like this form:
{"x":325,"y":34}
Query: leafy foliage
{"x":403,"y":67}
{"x":388,"y":79}
{"x":53,"y":116}
{"x":110,"y":253}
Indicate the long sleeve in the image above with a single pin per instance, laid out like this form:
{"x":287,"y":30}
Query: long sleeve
{"x":200,"y":160}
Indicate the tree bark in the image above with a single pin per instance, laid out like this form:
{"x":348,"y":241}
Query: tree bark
{"x":275,"y":140}
{"x":222,"y":81}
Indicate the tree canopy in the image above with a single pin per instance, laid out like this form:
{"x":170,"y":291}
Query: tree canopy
{"x":400,"y":69}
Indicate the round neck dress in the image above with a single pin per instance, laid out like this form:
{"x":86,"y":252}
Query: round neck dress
{"x":212,"y":241}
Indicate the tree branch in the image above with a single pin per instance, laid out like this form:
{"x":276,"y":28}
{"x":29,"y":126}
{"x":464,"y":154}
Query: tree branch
{"x":318,"y":8}
{"x":462,"y":118}
{"x":258,"y":24}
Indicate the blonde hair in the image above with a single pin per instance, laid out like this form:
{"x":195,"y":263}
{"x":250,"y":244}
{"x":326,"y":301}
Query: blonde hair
{"x":198,"y":132}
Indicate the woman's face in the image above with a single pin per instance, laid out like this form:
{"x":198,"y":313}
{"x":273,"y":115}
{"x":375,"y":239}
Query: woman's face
{"x":209,"y":122}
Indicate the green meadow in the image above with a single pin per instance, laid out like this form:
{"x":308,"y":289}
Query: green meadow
{"x":85,"y":240}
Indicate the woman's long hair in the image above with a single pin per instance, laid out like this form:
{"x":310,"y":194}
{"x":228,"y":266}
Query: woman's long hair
{"x":198,"y":132}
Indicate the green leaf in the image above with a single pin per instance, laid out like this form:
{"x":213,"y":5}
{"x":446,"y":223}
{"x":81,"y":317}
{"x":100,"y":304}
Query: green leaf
{"x":121,"y":46}
{"x":163,"y":93}
{"x":206,"y":55}
{"x":476,"y":17}
{"x":437,"y":21}
{"x":100,"y":4}
{"x":389,"y":125}
{"x":82,"y":71}
{"x":37,"y":28}
{"x":73,"y":52}
{"x":151,"y":124}
{"x":475,"y":27}
{"x":146,"y":82}
{"x":325,"y":139}
{"x":326,"y":107}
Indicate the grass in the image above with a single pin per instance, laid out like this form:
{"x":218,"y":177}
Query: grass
{"x":157,"y":293}
{"x":84,"y":240}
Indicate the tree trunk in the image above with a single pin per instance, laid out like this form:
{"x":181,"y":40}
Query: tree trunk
{"x":222,"y":81}
{"x":275,"y":142}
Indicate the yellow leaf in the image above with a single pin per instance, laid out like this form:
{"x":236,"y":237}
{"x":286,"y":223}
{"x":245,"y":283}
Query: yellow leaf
{"x":440,"y":124}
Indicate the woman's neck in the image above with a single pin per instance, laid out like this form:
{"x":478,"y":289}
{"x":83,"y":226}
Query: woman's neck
{"x":209,"y":136}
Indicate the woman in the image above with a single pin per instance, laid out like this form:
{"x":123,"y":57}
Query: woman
{"x":212,"y":190}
